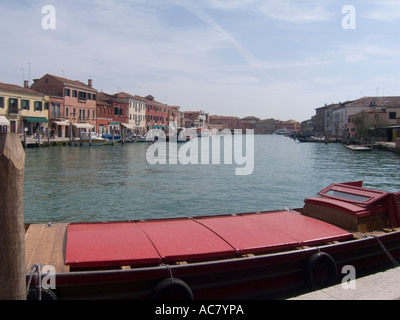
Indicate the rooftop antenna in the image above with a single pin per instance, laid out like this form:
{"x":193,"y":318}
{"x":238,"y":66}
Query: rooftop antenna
{"x":23,"y":74}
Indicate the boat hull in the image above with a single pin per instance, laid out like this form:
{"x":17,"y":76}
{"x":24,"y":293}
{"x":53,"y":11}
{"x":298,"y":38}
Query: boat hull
{"x":272,"y":276}
{"x":93,"y":142}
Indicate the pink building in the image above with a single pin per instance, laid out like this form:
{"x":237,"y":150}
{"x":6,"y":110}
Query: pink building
{"x":72,"y":104}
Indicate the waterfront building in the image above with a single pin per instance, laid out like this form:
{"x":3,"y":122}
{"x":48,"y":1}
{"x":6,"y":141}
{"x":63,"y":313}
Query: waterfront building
{"x":22,"y":107}
{"x":250,"y":121}
{"x":331,"y":120}
{"x":319,"y":120}
{"x":381,"y":119}
{"x":336,"y":120}
{"x":73,"y":104}
{"x":113,"y":112}
{"x":307,"y":126}
{"x":196,"y":119}
{"x":224,"y":122}
{"x":174,"y":114}
{"x":104,"y":114}
{"x":136,"y":112}
{"x":291,"y":125}
{"x":156,"y":114}
{"x":265,"y":126}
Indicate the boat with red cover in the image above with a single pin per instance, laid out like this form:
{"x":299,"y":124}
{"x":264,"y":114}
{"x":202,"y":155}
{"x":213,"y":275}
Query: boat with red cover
{"x":271,"y":254}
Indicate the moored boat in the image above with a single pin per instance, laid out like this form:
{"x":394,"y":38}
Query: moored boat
{"x":359,"y":148}
{"x":93,"y":140}
{"x":110,"y":139}
{"x":235,"y":256}
{"x":306,"y":137}
{"x":202,"y":132}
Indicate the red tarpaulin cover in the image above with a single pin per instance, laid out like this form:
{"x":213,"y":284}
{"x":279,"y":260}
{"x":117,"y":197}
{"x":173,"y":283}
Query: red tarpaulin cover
{"x":151,"y":242}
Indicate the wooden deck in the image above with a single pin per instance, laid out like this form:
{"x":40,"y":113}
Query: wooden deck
{"x":45,"y":245}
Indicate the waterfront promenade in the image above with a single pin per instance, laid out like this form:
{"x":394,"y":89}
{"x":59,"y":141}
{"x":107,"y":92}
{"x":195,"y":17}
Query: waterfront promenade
{"x":380,"y":286}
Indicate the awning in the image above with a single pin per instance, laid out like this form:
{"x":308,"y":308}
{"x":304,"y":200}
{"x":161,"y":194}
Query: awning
{"x":114,"y":123}
{"x":36,"y":119}
{"x":83,"y":125}
{"x":4,"y":121}
{"x":128,"y":125}
{"x":62,"y":123}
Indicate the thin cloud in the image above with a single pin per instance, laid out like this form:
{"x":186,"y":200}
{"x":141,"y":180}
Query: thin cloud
{"x":297,"y":11}
{"x":386,"y":11}
{"x":202,"y":15}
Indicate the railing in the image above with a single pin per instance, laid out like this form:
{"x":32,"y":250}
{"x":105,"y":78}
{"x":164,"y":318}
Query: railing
{"x":57,"y":115}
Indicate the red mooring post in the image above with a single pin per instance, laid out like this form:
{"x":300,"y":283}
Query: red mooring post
{"x":12,"y":231}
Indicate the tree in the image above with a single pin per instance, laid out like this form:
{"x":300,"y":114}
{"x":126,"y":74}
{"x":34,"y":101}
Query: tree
{"x":363,"y":123}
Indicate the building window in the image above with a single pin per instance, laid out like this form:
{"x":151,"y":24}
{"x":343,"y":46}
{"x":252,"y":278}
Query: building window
{"x":2,"y":102}
{"x":89,"y":96}
{"x":25,"y":104}
{"x":67,"y":92}
{"x":66,"y":112}
{"x":94,"y":115}
{"x":74,"y":93}
{"x":55,"y":110}
{"x":81,"y":115}
{"x":88,"y":114}
{"x":392,"y":115}
{"x":82,"y":96}
{"x":38,"y":106}
{"x":13,"y":105}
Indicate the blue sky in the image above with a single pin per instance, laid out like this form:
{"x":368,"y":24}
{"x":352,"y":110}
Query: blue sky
{"x":267,"y":58}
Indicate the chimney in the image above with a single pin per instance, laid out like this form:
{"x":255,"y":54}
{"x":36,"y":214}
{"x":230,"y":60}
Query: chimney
{"x":26,"y":84}
{"x":90,"y":83}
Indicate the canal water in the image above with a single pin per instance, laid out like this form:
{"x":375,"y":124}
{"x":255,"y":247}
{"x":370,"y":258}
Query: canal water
{"x":113,"y":183}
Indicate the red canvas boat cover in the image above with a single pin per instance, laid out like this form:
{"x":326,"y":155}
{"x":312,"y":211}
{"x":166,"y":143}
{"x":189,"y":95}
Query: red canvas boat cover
{"x":108,"y":244}
{"x":273,"y":230}
{"x":178,"y":240}
{"x":155,"y":241}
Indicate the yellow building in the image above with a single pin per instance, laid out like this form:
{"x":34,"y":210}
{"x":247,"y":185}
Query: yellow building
{"x":21,"y":107}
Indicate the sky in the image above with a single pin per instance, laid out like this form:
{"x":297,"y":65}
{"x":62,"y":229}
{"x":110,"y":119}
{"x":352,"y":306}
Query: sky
{"x":278,"y":59}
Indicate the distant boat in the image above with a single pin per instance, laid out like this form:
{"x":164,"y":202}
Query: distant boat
{"x":359,"y":148}
{"x":311,"y":139}
{"x":202,"y":132}
{"x":133,"y":137}
{"x":307,"y":137}
{"x":282,"y":131}
{"x":94,"y":140}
